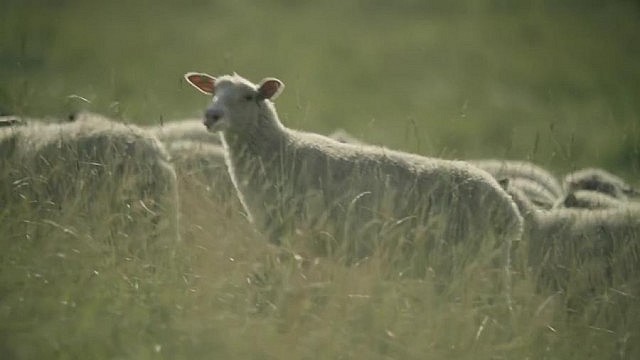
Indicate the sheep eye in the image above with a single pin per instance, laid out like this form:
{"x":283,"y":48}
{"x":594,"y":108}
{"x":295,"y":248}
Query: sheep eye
{"x":248,"y":97}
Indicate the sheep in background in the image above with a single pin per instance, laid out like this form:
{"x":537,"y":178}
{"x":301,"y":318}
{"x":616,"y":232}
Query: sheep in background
{"x":588,"y":199}
{"x":583,"y":249}
{"x":180,"y":130}
{"x":512,"y":169}
{"x":443,"y":214}
{"x":599,"y":180}
{"x":93,"y":169}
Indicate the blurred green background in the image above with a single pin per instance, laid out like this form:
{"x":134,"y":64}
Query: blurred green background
{"x":557,"y":82}
{"x":553,"y":81}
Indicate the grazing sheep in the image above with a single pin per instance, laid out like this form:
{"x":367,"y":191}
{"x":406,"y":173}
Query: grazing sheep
{"x":511,"y":169}
{"x":94,"y":169}
{"x":599,"y":180}
{"x":439,"y":214}
{"x":583,"y":249}
{"x":589,"y":199}
{"x":180,"y":130}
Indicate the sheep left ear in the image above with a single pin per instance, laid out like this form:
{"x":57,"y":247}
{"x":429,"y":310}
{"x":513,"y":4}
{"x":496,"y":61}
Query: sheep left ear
{"x":201,"y":81}
{"x":270,"y":88}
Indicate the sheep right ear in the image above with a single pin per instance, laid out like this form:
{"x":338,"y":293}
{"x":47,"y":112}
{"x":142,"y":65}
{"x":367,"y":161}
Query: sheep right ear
{"x":270,"y":88}
{"x":201,"y":81}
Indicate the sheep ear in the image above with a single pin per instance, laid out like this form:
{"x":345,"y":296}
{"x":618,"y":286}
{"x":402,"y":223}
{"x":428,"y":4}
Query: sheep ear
{"x":201,"y":81}
{"x":270,"y":88}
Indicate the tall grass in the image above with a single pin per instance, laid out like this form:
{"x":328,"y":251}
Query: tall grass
{"x":555,"y":82}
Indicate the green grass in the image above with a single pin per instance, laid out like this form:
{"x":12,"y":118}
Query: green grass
{"x":554,"y":82}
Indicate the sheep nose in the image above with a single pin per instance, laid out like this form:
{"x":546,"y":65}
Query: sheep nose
{"x":211,"y":116}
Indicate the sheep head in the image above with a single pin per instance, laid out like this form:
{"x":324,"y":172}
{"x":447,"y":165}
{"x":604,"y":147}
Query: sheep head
{"x":236,"y":101}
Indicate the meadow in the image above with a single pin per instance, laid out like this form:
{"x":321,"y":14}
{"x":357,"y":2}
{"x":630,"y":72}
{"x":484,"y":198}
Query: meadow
{"x":555,"y":82}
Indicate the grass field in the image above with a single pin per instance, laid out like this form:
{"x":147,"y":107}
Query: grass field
{"x":556,"y":82}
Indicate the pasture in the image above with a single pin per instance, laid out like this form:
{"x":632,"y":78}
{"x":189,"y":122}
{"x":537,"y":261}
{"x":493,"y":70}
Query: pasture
{"x":554,"y":82}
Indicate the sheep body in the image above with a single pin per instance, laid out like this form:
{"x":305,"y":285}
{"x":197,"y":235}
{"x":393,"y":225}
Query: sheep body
{"x":91,"y":166}
{"x":292,"y":181}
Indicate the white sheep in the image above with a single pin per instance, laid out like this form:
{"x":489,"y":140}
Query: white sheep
{"x":599,"y":180}
{"x":443,"y":214}
{"x":99,"y":169}
{"x":185,"y":129}
{"x":510,"y":169}
{"x":582,"y":249}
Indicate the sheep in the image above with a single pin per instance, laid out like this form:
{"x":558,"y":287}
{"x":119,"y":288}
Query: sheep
{"x":589,"y":199}
{"x":443,"y":214}
{"x":95,"y":168}
{"x":578,"y":248}
{"x":180,"y":130}
{"x":511,"y":169}
{"x":599,"y":180}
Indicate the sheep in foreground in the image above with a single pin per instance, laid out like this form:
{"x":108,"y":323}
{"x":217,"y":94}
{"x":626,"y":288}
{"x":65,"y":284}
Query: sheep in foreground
{"x":183,"y":130}
{"x":511,"y":169}
{"x":595,"y":179}
{"x":438,"y":214}
{"x":583,"y":249}
{"x":93,"y":169}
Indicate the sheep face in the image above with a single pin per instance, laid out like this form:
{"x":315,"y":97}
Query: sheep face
{"x":236,"y":101}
